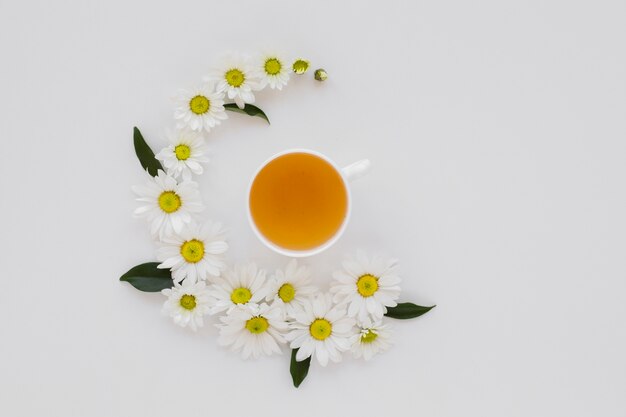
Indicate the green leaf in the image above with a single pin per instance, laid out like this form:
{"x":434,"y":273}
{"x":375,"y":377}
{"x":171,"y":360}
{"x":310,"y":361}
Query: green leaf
{"x":248,"y":109}
{"x":299,"y":370}
{"x":147,"y":277}
{"x":407,"y":311}
{"x":145,"y":154}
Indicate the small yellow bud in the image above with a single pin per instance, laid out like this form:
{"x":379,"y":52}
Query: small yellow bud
{"x":320,"y":74}
{"x":300,"y":66}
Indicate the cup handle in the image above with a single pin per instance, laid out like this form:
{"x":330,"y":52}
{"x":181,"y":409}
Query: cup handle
{"x":356,"y":170}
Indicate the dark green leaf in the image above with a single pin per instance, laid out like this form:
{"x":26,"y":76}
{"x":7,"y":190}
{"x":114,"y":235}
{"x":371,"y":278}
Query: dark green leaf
{"x":145,"y":154}
{"x":147,"y":277}
{"x":299,"y":370}
{"x":248,"y":109}
{"x":407,"y":311}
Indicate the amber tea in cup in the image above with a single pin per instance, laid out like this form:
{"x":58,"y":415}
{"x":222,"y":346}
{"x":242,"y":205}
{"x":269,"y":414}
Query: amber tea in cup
{"x":299,"y":201}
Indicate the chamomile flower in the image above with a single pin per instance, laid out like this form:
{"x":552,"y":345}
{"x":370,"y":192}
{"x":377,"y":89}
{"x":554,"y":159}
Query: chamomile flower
{"x":184,"y":155}
{"x":290,"y":288}
{"x":374,"y":337}
{"x":235,"y":77}
{"x":168,"y":204}
{"x":272,"y":69}
{"x":367,"y":286}
{"x":321,"y":329}
{"x":244,"y":285}
{"x":200,"y":108}
{"x":195,"y":253}
{"x":187,"y":303}
{"x":254,"y":330}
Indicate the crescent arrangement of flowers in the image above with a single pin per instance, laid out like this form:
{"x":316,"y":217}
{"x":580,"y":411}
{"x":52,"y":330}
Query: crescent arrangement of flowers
{"x":257,"y":313}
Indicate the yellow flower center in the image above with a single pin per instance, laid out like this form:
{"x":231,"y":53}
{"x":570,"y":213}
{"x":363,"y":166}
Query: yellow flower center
{"x":235,"y":77}
{"x":240,"y":295}
{"x":300,"y":66}
{"x":199,"y":104}
{"x":169,"y":201}
{"x":188,"y":302}
{"x":182,"y":152}
{"x":368,"y":337}
{"x":273,"y":66}
{"x":367,"y":285}
{"x":287,"y":292}
{"x":257,"y":325}
{"x":192,"y":251}
{"x":320,"y":329}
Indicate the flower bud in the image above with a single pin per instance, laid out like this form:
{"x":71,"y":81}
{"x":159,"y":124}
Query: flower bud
{"x":300,"y":66}
{"x":320,"y":74}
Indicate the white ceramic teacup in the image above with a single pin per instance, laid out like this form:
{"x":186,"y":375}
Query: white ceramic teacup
{"x":347,"y":174}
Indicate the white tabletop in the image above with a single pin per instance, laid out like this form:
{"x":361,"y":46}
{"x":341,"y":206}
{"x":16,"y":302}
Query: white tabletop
{"x":497,"y":138}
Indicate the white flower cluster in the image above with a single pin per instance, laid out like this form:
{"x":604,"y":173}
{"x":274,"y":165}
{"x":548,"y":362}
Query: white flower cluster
{"x":256,"y":314}
{"x":259,"y":314}
{"x":171,"y":199}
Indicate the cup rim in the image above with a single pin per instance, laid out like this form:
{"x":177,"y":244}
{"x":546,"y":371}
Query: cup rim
{"x":318,"y":249}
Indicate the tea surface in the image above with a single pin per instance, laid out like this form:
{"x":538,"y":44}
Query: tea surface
{"x":298,"y":201}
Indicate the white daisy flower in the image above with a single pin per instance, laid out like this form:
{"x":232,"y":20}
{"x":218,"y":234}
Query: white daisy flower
{"x":184,"y":155}
{"x":374,"y":337}
{"x":366,"y":286}
{"x":235,"y":78}
{"x":290,"y":288}
{"x":322,"y":330}
{"x":187,"y":303}
{"x":243,"y":285}
{"x":200,"y":108}
{"x":272,"y":69}
{"x":195,"y":253}
{"x":254,"y":330}
{"x":169,"y":205}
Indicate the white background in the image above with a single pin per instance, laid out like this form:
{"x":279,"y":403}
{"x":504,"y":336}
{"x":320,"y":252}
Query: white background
{"x":497,"y":136}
